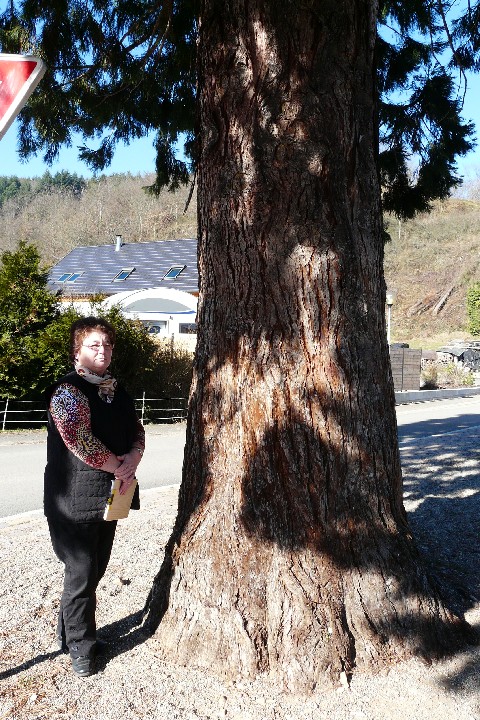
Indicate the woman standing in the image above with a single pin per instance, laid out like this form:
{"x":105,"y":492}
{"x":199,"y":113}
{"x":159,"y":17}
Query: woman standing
{"x":94,"y":436}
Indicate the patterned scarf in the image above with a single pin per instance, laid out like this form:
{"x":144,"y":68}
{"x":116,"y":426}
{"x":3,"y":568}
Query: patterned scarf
{"x":106,"y":383}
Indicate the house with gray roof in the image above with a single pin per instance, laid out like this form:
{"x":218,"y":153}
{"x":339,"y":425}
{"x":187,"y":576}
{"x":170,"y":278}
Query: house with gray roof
{"x":120,"y":267}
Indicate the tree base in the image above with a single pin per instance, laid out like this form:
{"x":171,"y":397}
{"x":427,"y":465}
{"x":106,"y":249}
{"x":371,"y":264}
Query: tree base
{"x":299,"y":620}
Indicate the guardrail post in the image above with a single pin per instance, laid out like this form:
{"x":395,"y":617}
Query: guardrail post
{"x":5,"y":414}
{"x":143,"y":406}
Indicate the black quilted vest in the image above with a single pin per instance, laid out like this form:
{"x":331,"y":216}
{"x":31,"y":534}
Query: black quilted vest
{"x":73,"y":490}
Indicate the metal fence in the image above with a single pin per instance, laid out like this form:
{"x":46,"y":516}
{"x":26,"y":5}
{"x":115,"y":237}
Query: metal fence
{"x":15,"y":414}
{"x":161,"y":410}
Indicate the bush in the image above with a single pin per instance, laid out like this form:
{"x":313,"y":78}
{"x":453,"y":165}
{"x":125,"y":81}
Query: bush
{"x":438,"y":375}
{"x":173,"y":372}
{"x":429,"y":377}
{"x":455,"y":375}
{"x":473,"y":309}
{"x":49,"y":354}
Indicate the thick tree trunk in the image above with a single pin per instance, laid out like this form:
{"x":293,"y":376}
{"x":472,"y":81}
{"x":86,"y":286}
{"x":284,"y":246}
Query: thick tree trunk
{"x":291,"y":553}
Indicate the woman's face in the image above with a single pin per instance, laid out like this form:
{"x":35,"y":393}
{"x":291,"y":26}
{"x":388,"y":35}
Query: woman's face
{"x":95,"y":353}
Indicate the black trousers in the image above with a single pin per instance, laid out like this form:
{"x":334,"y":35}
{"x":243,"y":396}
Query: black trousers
{"x":85,"y":550}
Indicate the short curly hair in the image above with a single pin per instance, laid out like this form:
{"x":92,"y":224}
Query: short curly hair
{"x":81,"y":328}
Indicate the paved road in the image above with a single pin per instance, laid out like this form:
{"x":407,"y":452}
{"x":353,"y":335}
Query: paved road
{"x":22,"y":455}
{"x":437,"y":417}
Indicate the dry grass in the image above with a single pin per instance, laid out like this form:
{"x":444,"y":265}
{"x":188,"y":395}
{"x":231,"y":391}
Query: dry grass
{"x":428,"y":257}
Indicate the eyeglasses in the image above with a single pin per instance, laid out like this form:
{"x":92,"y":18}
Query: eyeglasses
{"x":95,"y":347}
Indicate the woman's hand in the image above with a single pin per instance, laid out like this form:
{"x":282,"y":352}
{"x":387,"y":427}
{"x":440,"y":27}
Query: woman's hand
{"x":127,"y":468}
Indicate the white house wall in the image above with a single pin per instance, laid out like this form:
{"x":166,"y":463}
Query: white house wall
{"x":169,"y":321}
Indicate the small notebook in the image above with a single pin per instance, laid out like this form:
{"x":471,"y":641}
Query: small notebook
{"x":118,"y":506}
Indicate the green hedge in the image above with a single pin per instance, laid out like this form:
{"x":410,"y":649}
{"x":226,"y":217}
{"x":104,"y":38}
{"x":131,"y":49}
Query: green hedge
{"x":473,"y":309}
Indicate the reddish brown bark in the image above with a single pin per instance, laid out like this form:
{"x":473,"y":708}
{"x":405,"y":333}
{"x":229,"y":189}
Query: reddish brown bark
{"x":291,"y":553}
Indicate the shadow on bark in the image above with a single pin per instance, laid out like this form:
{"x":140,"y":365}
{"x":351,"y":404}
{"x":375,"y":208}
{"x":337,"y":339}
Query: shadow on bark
{"x":294,"y":514}
{"x":309,"y":509}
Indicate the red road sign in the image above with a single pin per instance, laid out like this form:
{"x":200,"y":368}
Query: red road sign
{"x":19,"y":76}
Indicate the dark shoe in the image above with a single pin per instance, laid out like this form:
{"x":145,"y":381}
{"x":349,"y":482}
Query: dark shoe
{"x":83,"y":666}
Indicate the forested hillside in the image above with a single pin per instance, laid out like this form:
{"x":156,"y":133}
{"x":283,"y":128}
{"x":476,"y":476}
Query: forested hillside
{"x":60,"y":212}
{"x":430,"y":261}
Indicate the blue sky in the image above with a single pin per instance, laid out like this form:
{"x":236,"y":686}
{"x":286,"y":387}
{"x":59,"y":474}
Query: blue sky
{"x":138,"y":157}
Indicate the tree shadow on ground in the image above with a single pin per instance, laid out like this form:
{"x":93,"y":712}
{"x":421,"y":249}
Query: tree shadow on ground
{"x":29,"y":664}
{"x":466,"y":679}
{"x":442,"y":498}
{"x":122,"y":635}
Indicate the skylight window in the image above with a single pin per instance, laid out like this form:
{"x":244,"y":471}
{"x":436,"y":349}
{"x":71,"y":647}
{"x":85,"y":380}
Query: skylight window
{"x":174,"y":272}
{"x":123,"y":274}
{"x":69,"y":277}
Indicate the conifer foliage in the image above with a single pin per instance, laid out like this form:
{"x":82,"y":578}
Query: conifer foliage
{"x":115,"y":69}
{"x":120,"y":70}
{"x":424,"y":51}
{"x":28,"y":309}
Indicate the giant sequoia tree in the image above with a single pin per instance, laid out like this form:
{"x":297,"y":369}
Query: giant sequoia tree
{"x":291,"y":553}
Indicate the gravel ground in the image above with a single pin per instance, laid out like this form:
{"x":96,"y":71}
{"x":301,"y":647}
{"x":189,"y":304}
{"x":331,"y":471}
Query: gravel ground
{"x":442,"y":496}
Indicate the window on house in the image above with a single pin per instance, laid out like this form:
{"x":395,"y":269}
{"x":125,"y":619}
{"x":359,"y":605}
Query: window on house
{"x":69,"y":277}
{"x":157,"y":327}
{"x":174,"y":272}
{"x":123,"y":274}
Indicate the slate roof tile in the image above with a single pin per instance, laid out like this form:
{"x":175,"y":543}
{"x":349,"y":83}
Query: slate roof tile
{"x":100,"y":264}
